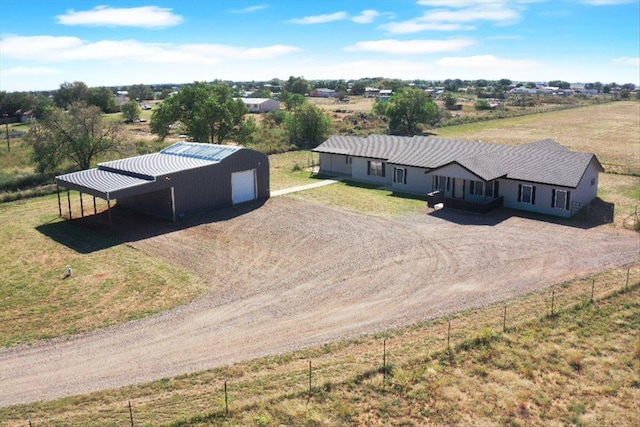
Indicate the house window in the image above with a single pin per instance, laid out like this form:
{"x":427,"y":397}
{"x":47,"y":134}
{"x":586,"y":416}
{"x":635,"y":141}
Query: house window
{"x":440,"y":182}
{"x":349,"y":160}
{"x":400,"y":175}
{"x":375,"y":168}
{"x":475,"y":188}
{"x":527,"y":194}
{"x":488,"y":191}
{"x":560,"y":199}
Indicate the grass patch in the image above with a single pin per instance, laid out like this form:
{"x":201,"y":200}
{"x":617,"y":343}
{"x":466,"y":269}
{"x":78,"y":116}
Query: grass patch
{"x":108,"y":286}
{"x":366,"y":198}
{"x":292,"y":169}
{"x":579,"y":367}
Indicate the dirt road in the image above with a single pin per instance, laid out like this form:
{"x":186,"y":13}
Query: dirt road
{"x":292,"y":274}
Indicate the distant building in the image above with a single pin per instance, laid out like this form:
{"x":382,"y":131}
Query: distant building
{"x":261,"y":105}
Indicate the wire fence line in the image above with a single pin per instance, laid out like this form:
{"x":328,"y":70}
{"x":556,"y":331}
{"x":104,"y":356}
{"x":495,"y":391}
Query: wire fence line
{"x":443,"y":339}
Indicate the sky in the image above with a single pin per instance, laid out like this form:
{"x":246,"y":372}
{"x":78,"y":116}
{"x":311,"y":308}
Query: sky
{"x":44,"y":43}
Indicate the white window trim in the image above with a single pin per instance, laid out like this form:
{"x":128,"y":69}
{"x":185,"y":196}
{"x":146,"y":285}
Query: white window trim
{"x":395,"y":175}
{"x":522,"y":200}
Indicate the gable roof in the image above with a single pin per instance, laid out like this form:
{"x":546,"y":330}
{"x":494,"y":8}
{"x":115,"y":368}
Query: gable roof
{"x":545,"y":161}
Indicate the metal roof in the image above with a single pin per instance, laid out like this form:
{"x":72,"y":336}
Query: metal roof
{"x":111,"y":178}
{"x":545,"y":161}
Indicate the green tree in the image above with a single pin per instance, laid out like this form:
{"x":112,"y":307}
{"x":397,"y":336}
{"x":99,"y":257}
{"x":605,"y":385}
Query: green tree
{"x":103,"y":98}
{"x":79,"y":135}
{"x":292,"y":100}
{"x":208,"y":113}
{"x":130,"y":111}
{"x":449,"y":101}
{"x":140,"y":92}
{"x":407,"y":110}
{"x":297,"y":85}
{"x":308,"y":125}
{"x":482,"y":104}
{"x":358,"y":87}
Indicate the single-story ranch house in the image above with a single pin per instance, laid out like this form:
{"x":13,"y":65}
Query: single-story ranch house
{"x":541,"y":177}
{"x":261,"y":105}
{"x":183,"y":179}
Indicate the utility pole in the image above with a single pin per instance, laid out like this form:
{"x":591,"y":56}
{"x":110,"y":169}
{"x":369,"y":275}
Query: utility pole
{"x":6,"y":129}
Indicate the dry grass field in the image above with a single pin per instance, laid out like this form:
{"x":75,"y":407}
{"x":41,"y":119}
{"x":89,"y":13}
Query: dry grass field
{"x":578,"y":367}
{"x":611,"y":131}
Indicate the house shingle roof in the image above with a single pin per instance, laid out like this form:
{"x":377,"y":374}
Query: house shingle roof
{"x":545,"y":161}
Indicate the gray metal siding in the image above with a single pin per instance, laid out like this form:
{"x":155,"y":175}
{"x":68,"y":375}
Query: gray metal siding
{"x":156,"y":203}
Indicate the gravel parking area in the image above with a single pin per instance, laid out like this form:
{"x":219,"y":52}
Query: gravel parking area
{"x":293,"y":274}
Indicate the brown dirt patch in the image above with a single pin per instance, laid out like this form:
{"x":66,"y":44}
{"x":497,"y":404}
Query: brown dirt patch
{"x":293,"y":274}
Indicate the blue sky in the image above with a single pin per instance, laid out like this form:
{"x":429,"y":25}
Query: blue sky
{"x":107,"y":43}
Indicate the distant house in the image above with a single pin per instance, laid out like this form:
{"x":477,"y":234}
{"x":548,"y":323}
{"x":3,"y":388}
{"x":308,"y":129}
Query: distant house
{"x":27,"y":116}
{"x":323,"y":93}
{"x":371,"y":92}
{"x":261,"y":105}
{"x":541,"y":177}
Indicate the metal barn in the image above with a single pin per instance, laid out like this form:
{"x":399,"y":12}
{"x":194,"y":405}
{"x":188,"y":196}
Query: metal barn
{"x":181,"y":180}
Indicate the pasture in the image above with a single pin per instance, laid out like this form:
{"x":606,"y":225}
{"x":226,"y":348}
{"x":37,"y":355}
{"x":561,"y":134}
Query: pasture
{"x":116,"y":280}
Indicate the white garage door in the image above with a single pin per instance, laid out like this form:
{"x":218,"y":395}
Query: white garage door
{"x":243,"y":186}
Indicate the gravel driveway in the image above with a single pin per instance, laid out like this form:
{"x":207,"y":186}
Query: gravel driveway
{"x":293,"y":274}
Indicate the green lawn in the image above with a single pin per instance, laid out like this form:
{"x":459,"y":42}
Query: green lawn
{"x":111,"y":282}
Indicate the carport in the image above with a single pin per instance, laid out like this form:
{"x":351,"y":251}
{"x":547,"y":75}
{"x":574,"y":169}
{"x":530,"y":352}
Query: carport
{"x":183,"y":179}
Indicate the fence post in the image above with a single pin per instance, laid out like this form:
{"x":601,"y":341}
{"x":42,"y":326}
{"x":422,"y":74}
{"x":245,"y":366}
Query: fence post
{"x":309,"y":381}
{"x":553,"y":297}
{"x":626,"y":285}
{"x":593,"y":286}
{"x":226,"y":400}
{"x":449,"y":336}
{"x":131,"y":413}
{"x":504,"y":320}
{"x":384,"y":363}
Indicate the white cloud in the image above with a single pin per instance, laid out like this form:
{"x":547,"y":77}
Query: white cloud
{"x":484,"y":62}
{"x":144,"y":16}
{"x":411,"y":47}
{"x":607,"y":2}
{"x":366,"y":17}
{"x":250,"y":9}
{"x":625,"y":60}
{"x":456,"y":15}
{"x":62,"y":49}
{"x":320,"y":19}
{"x":409,"y":27}
{"x":30,"y":71}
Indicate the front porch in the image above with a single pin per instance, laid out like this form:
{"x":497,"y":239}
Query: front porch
{"x":473,"y":206}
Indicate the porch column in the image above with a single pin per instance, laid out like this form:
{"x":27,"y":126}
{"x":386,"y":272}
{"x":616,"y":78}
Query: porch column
{"x":81,"y":207}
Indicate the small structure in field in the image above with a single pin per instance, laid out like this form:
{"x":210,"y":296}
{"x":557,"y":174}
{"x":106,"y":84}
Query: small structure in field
{"x":183,"y":179}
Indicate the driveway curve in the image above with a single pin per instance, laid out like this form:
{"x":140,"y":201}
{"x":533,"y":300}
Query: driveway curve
{"x":293,"y":274}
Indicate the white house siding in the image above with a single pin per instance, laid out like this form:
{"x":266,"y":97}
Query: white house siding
{"x":334,"y":163}
{"x":417,"y":180}
{"x":543,"y":195}
{"x":587,"y":189}
{"x":359,"y":171}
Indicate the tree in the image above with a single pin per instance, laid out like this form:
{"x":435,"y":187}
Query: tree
{"x":292,"y":100}
{"x":70,"y":93}
{"x":297,"y":85}
{"x":79,"y":135}
{"x":103,"y":98}
{"x":308,"y":125}
{"x":449,"y":101}
{"x":358,"y":87}
{"x":140,"y":92}
{"x":208,"y":113}
{"x":408,"y":109}
{"x":482,"y":104}
{"x":130,"y":111}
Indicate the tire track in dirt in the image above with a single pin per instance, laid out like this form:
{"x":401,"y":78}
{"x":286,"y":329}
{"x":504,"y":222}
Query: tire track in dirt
{"x":293,"y":274}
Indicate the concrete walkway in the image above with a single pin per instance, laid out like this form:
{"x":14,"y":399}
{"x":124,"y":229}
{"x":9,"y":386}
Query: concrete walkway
{"x":305,"y":187}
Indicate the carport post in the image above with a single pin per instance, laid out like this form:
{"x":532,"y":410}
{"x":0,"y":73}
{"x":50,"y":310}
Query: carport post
{"x":95,"y":210}
{"x":59,"y":204}
{"x":81,"y":207}
{"x":69,"y":202}
{"x":109,"y":213}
